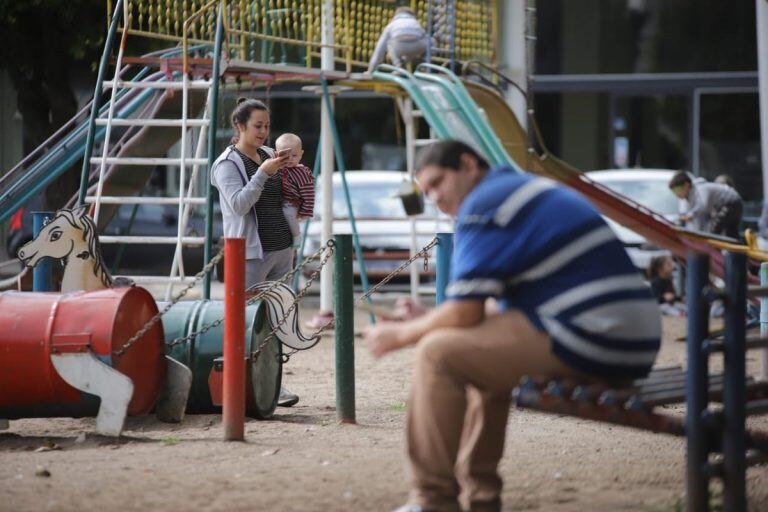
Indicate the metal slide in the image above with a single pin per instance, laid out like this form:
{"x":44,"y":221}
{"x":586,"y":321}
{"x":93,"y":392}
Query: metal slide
{"x":66,"y":147}
{"x":479,"y":116}
{"x":62,"y":150}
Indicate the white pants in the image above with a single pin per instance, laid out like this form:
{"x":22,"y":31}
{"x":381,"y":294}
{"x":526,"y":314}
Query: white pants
{"x":403,"y":52}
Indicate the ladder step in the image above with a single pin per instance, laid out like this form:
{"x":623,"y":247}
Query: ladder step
{"x":160,"y":279}
{"x":151,"y":122}
{"x":417,"y":113}
{"x":122,"y":84}
{"x":144,"y":200}
{"x":187,"y":240}
{"x":424,"y":142}
{"x":149,"y":161}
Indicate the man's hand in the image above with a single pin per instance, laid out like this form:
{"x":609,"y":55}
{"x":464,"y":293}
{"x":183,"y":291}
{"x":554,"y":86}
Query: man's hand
{"x":383,"y":338}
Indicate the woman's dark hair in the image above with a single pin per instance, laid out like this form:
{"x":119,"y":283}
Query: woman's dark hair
{"x":447,"y":154}
{"x":680,"y":178}
{"x":242,"y":113}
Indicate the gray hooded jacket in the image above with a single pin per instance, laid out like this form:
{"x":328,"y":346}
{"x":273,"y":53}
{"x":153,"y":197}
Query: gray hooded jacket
{"x":237,"y":195}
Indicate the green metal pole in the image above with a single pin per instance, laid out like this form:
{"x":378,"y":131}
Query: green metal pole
{"x":95,"y":105}
{"x":214,"y":104}
{"x":345,"y":329}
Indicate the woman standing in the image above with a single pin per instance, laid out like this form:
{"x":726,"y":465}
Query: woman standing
{"x":251,"y":198}
{"x":250,"y":193}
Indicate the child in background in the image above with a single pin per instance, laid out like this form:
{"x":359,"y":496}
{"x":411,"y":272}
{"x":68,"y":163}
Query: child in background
{"x":660,"y":274}
{"x":298,"y":184}
{"x":712,"y":207}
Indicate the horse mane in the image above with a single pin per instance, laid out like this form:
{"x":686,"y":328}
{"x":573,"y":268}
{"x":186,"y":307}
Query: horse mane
{"x":278,"y":298}
{"x":79,"y":219}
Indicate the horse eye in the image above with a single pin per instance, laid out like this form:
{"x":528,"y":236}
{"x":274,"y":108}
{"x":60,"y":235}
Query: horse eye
{"x":55,"y":236}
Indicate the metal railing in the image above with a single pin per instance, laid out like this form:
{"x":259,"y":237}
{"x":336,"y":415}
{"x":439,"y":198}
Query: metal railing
{"x":289,"y":32}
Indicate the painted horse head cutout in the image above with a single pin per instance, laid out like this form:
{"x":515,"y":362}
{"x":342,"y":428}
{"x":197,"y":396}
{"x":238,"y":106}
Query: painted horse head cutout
{"x":70,"y":236}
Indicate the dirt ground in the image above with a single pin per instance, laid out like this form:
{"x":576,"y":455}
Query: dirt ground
{"x":304,"y":460}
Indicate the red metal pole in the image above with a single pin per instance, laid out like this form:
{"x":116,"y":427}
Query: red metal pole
{"x":234,"y":339}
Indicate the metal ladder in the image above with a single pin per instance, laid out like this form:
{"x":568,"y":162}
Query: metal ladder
{"x":410,"y":116}
{"x":186,"y":197}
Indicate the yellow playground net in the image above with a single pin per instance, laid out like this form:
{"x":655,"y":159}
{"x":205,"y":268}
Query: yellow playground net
{"x":289,"y":31}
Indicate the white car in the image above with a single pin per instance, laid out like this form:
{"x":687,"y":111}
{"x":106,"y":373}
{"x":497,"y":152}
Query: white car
{"x":383,"y":228}
{"x":650,"y":188}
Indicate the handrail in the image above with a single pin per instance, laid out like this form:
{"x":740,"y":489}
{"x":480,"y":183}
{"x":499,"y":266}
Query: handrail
{"x":405,"y":80}
{"x":213,"y":104}
{"x":467,"y":66}
{"x":70,"y":157}
{"x":185,"y":37}
{"x":97,"y":93}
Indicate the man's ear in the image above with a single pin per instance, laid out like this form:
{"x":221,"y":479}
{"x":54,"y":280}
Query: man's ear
{"x":469,"y":163}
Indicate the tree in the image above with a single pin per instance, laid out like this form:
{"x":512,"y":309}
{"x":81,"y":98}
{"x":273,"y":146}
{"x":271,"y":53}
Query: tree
{"x":42,"y":44}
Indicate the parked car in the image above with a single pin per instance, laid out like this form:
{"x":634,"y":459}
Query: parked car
{"x":383,"y":228}
{"x":650,"y":188}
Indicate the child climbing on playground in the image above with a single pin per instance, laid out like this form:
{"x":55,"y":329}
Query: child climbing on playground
{"x":403,"y":39}
{"x":298,"y":184}
{"x":660,"y":275}
{"x":712,"y":207}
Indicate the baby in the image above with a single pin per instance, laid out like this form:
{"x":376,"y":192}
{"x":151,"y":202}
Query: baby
{"x":298,"y":184}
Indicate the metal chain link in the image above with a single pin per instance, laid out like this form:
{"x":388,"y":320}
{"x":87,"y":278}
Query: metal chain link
{"x":329,"y":245}
{"x":423,"y":253}
{"x":152,"y":321}
{"x":299,"y":295}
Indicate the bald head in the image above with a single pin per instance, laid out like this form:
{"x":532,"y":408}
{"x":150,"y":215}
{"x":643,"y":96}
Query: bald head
{"x":288,"y":141}
{"x":291,"y":144}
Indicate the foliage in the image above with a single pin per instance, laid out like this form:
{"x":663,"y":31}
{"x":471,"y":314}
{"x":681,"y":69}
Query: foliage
{"x":44,"y":45}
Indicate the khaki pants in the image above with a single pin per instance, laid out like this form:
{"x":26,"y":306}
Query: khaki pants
{"x":460,"y":399}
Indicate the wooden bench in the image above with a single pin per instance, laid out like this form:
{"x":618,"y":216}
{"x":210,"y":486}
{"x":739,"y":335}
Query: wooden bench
{"x":707,"y":430}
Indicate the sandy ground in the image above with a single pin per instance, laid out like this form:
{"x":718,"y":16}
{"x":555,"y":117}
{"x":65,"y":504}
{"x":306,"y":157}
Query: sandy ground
{"x":304,"y":460}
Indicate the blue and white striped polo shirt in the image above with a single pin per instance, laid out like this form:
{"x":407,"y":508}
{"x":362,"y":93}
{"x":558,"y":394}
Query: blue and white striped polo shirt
{"x":543,"y":249}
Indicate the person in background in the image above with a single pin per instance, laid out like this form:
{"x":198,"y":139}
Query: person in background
{"x":298,"y":184}
{"x":403,"y":39}
{"x":570,"y":304}
{"x":712,"y":207}
{"x":660,"y":275}
{"x":250,"y":193}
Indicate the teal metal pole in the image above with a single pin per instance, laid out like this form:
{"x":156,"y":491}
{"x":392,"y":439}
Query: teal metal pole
{"x":443,"y":272}
{"x":345,"y":329}
{"x":342,"y":170}
{"x":42,"y":274}
{"x":214,"y":100}
{"x":95,"y":105}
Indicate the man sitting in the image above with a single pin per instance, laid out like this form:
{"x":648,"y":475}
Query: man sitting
{"x":572,"y":304}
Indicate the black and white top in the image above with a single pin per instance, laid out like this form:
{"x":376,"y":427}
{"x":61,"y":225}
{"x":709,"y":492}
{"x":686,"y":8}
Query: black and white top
{"x":274,"y":232}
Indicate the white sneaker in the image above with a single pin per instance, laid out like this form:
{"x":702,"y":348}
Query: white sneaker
{"x":286,"y":398}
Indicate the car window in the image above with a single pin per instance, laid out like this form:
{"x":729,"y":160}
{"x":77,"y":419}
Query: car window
{"x":371,"y":199}
{"x":653,"y":194}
